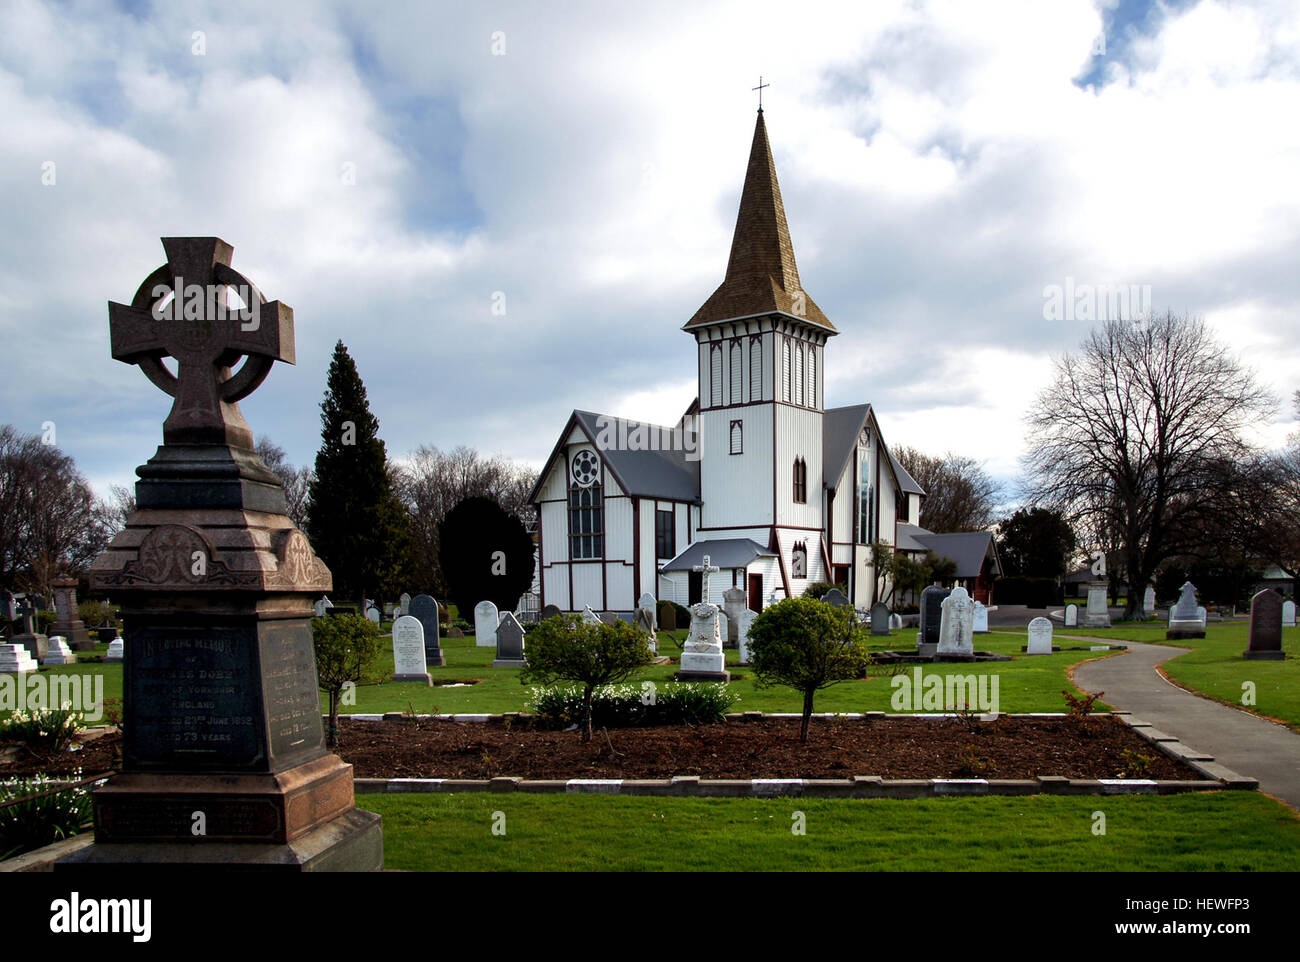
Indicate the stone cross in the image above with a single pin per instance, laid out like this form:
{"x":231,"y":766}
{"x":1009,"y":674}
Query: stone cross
{"x":707,"y":569}
{"x":205,"y":336}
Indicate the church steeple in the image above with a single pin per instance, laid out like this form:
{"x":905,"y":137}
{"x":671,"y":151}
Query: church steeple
{"x":762,"y":276}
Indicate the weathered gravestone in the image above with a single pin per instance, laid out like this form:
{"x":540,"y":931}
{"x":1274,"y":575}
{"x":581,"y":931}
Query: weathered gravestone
{"x":486,"y":619}
{"x":880,"y":618}
{"x":734,"y":601}
{"x":724,"y":626}
{"x":1288,"y":614}
{"x":836,"y":598}
{"x":1202,"y":615}
{"x":668,"y":617}
{"x":608,"y":617}
{"x":590,"y":617}
{"x":409,"y":659}
{"x":551,"y":611}
{"x":372,"y":614}
{"x":322,"y":605}
{"x":116,"y":651}
{"x":1071,"y":616}
{"x":1265,"y":627}
{"x":1097,"y":614}
{"x":58,"y":652}
{"x":222,"y":713}
{"x":1184,"y":622}
{"x":647,"y":603}
{"x":746,"y":622}
{"x":927,"y":638}
{"x":67,"y":622}
{"x":645,"y":621}
{"x":404,"y":603}
{"x":1149,"y":601}
{"x":956,"y":624}
{"x":27,"y":636}
{"x":424,"y":609}
{"x":510,"y":643}
{"x":895,"y":622}
{"x":980,"y":620}
{"x":1040,"y":637}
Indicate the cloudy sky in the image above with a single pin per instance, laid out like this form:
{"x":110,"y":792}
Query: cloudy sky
{"x":388,"y":170}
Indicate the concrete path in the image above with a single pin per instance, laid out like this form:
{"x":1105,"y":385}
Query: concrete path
{"x":1243,"y":742}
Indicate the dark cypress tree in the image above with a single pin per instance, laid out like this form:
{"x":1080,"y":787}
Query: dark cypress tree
{"x":355,"y":521}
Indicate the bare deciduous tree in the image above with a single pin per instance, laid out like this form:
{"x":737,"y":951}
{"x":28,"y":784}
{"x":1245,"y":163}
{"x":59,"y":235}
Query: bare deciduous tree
{"x":296,"y":480}
{"x":960,"y":496}
{"x":1132,"y":436}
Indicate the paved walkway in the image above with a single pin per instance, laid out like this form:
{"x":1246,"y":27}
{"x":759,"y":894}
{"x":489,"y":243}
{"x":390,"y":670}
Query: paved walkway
{"x":1243,"y":742}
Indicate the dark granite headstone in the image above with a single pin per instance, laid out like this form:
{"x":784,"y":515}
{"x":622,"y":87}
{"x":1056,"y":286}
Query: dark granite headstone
{"x":424,"y":609}
{"x":837,"y":598}
{"x":931,"y":613}
{"x":36,"y":643}
{"x":1265,"y":627}
{"x":668,"y":618}
{"x":222,"y":712}
{"x":510,"y":642}
{"x":880,"y":618}
{"x":551,"y":611}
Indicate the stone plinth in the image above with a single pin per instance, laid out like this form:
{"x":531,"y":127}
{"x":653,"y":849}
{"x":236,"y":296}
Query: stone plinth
{"x":16,"y":660}
{"x":58,"y":652}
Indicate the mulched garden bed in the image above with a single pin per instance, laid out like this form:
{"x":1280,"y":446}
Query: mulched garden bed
{"x":762,"y":748}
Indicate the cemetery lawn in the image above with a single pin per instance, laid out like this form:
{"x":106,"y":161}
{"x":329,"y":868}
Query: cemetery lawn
{"x":1025,"y":685}
{"x":1214,"y":667}
{"x":1166,"y":833}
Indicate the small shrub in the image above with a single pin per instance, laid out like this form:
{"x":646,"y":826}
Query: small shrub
{"x":42,"y":731}
{"x":96,"y":614}
{"x":347,"y":653}
{"x":818,"y":589}
{"x":971,"y":765}
{"x":1136,"y":765}
{"x":632,"y":705}
{"x":1080,"y":708}
{"x":41,"y":821}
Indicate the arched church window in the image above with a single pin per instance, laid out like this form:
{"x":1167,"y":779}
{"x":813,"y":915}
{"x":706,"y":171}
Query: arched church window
{"x":737,"y":437}
{"x":755,"y":369}
{"x":799,"y":560}
{"x":798,"y":374}
{"x":785,"y":369}
{"x":586,"y":514}
{"x":812,"y":377}
{"x":800,"y":481}
{"x":737,"y":374}
{"x":715,"y":376}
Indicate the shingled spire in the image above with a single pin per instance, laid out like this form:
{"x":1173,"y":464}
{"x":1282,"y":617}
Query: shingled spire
{"x":762,"y":276}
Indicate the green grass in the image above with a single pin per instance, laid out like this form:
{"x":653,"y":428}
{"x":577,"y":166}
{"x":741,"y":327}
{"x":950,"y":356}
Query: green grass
{"x":1179,"y":833}
{"x":1024,"y":685}
{"x":1214,"y":666}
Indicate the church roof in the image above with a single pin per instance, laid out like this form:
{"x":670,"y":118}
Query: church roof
{"x":967,"y":549}
{"x":905,"y":480}
{"x":667,"y":474}
{"x":723,"y":553}
{"x":762,"y":277}
{"x":840,"y":430}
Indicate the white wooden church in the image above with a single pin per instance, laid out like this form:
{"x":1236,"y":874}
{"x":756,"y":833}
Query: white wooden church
{"x":776,"y":489}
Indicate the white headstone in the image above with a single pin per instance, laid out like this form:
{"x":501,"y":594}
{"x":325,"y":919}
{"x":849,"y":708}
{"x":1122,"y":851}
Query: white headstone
{"x":724,"y":625}
{"x":1149,"y":601}
{"x":16,"y":660}
{"x":702,"y":651}
{"x":410,"y":662}
{"x":372,"y":614}
{"x":956,"y":624}
{"x":1288,"y":614}
{"x":59,"y":653}
{"x":895,"y":622}
{"x":1097,"y":614}
{"x":116,"y":650}
{"x":980,"y":620}
{"x":486,"y":619}
{"x":1040,"y":637}
{"x":734,"y":602}
{"x":743,"y":624}
{"x":404,"y":602}
{"x":647,"y":603}
{"x":1071,"y":616}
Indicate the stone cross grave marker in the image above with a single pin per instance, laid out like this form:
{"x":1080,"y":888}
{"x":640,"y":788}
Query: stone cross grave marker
{"x":409,"y":661}
{"x":1040,"y":637}
{"x":486,"y":619}
{"x":510,"y":642}
{"x":705,"y":569}
{"x":1265,"y":627}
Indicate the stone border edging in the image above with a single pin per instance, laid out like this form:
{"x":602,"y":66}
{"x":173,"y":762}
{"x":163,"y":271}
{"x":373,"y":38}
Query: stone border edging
{"x":1216,"y":776}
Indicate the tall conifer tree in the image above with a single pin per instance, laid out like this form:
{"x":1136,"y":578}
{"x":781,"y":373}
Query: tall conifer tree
{"x":355,"y":521}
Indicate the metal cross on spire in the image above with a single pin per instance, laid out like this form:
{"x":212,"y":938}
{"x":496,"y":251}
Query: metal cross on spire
{"x":759,"y":88}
